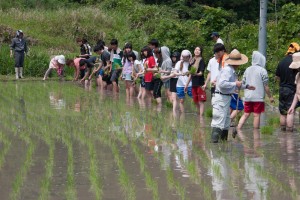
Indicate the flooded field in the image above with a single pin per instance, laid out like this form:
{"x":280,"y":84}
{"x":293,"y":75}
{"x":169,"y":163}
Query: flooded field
{"x":59,"y":141}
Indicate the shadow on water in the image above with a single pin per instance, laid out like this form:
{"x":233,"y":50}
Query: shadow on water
{"x":99,"y":145}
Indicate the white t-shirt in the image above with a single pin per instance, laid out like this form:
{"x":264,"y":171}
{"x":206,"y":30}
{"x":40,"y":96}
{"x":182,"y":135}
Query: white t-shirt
{"x":219,"y":40}
{"x":136,"y":67}
{"x":182,"y":80}
{"x":213,"y":68}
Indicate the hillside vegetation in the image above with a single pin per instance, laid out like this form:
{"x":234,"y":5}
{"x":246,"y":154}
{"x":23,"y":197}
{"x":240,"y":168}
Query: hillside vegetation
{"x":52,"y":27}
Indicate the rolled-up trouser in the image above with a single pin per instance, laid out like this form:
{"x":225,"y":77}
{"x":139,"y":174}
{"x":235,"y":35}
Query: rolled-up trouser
{"x":221,"y":113}
{"x":19,"y":58}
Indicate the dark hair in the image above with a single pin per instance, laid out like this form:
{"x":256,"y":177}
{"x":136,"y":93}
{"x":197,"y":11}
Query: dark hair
{"x":69,"y":62}
{"x":131,"y":54}
{"x":219,"y":47}
{"x":114,"y":42}
{"x":154,"y":42}
{"x":82,"y":62}
{"x":176,"y":54}
{"x":128,"y":45}
{"x":100,"y":42}
{"x":97,"y":48}
{"x":84,"y":40}
{"x":149,"y":51}
{"x":201,"y":49}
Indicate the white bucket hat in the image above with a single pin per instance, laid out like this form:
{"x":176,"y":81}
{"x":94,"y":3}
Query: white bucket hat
{"x":61,"y":59}
{"x":296,"y":61}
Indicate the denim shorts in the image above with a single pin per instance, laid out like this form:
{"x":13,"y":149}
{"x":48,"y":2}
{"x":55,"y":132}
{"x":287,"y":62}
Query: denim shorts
{"x":101,"y":72}
{"x":127,"y":77}
{"x":181,"y":93}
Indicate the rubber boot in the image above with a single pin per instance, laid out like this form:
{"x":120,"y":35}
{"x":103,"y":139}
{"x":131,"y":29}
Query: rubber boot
{"x":21,"y":72}
{"x":215,"y":134}
{"x":224,"y":135}
{"x":17,"y":72}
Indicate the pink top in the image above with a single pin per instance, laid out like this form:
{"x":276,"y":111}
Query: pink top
{"x":76,"y":62}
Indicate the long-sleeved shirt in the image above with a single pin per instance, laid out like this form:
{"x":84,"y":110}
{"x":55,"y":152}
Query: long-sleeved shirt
{"x":19,"y":45}
{"x":226,"y":80}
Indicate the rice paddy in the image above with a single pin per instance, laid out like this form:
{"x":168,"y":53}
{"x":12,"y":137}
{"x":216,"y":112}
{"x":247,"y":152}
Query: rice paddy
{"x":60,"y":141}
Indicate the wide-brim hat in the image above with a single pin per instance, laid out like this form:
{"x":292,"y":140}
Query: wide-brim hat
{"x":296,"y":61}
{"x":236,"y":58}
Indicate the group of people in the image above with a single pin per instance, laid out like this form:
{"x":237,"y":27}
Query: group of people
{"x":181,"y":73}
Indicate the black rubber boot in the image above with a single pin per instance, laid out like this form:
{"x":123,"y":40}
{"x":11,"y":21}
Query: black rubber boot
{"x":224,"y":135}
{"x":215,"y":134}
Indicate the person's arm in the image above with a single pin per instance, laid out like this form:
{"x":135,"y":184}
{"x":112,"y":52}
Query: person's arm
{"x":12,"y":47}
{"x":293,"y":106}
{"x":187,"y":84}
{"x":201,"y":68}
{"x":76,"y":73}
{"x":86,"y":74}
{"x":206,"y":82}
{"x":267,"y":89}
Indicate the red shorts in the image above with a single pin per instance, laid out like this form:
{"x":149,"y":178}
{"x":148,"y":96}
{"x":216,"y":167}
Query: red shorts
{"x":198,"y":94}
{"x":254,"y":107}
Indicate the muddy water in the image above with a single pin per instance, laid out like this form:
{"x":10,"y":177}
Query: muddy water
{"x":108,"y":147}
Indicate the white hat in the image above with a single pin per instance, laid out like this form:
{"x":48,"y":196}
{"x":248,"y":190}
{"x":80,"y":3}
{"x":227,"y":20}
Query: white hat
{"x":296,"y":61}
{"x":61,"y":59}
{"x":186,"y":53}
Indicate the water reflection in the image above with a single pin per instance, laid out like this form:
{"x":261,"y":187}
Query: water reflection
{"x":57,"y":101}
{"x":255,"y":185}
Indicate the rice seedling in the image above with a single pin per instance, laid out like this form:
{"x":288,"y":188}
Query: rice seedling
{"x":273,"y":121}
{"x":267,"y":130}
{"x":150,"y":181}
{"x":208,"y":112}
{"x":21,"y":175}
{"x":7,"y":144}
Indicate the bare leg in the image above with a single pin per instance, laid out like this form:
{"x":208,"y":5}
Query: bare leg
{"x":290,"y":122}
{"x":99,"y":81}
{"x":243,"y":119}
{"x":131,"y":89}
{"x":47,"y":73}
{"x":283,"y":122}
{"x":181,"y":106}
{"x":201,"y":108}
{"x":174,"y":102}
{"x":256,"y":120}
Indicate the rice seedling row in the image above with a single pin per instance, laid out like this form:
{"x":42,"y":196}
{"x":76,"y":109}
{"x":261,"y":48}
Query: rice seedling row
{"x":6,"y":146}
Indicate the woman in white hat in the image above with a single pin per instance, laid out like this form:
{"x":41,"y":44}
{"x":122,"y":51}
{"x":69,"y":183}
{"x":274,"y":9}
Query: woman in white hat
{"x":57,"y":63}
{"x":295,"y":65}
{"x":226,"y":85}
{"x":181,"y":70}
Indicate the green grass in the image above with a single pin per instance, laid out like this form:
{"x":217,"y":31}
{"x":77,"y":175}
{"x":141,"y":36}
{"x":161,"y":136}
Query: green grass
{"x":267,"y":130}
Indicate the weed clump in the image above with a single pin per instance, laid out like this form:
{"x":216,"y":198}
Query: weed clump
{"x":208,"y":113}
{"x":267,"y":130}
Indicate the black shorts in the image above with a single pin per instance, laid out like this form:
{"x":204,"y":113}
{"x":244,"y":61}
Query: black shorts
{"x":173,"y":82}
{"x":82,"y":73}
{"x":142,"y":82}
{"x":157,"y":88}
{"x":149,"y":86}
{"x":286,"y":97}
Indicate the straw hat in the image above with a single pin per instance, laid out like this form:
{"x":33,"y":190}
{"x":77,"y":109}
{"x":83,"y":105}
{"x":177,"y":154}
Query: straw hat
{"x":236,"y":58}
{"x":296,"y":61}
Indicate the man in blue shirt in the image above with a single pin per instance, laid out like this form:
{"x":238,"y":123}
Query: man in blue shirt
{"x":226,"y":85}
